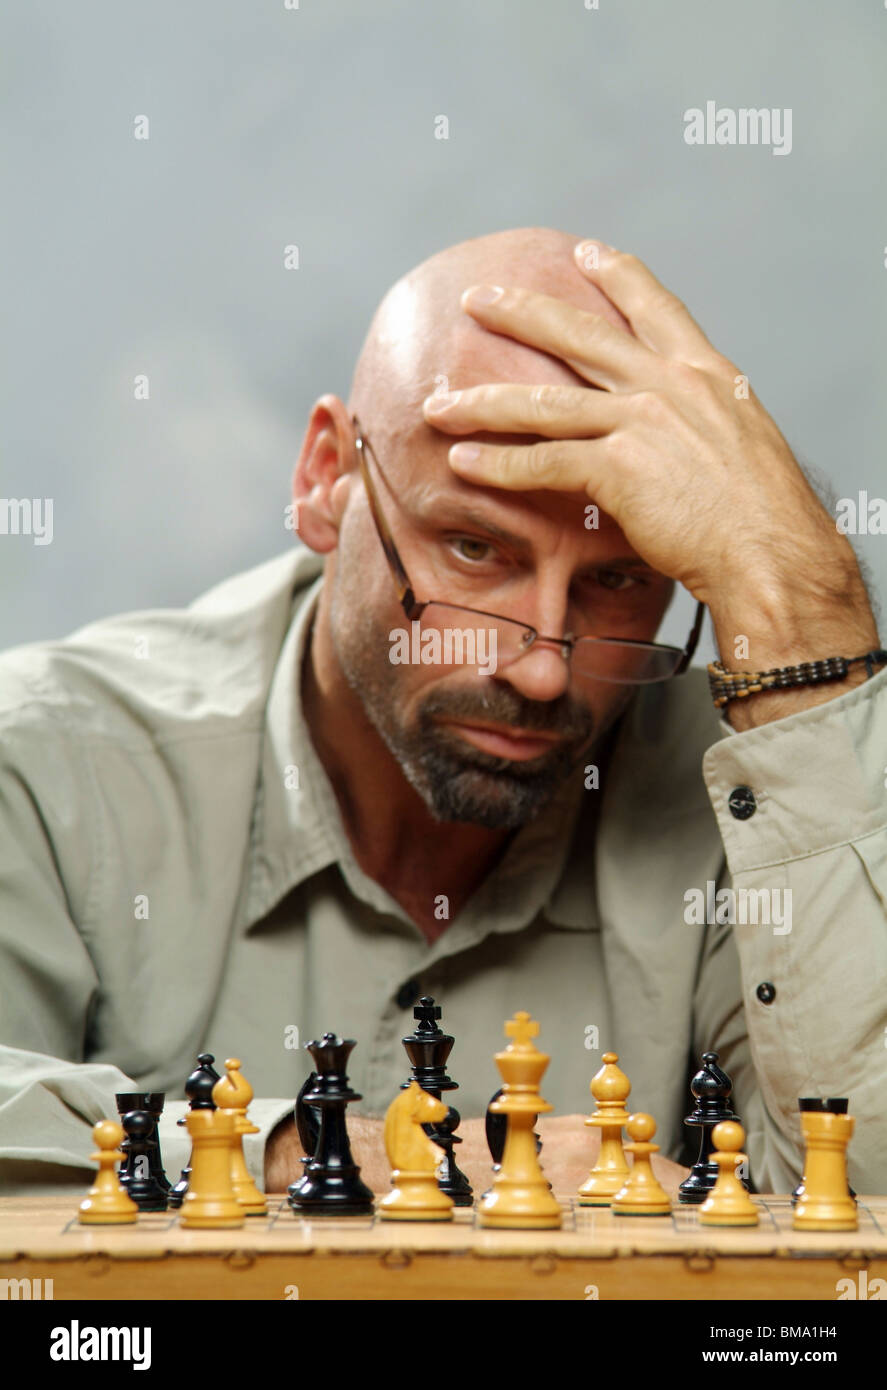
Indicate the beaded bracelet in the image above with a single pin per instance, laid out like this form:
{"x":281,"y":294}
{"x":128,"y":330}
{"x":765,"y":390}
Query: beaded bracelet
{"x":736,"y":685}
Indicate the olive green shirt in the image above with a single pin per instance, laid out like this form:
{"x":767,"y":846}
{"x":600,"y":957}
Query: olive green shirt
{"x":175,"y":877}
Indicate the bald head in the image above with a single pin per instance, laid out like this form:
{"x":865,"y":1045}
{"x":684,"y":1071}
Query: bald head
{"x":419,"y":333}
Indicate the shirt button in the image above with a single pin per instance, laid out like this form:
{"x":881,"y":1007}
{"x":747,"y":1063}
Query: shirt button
{"x":766,"y":992}
{"x":407,"y":994}
{"x":742,"y":803}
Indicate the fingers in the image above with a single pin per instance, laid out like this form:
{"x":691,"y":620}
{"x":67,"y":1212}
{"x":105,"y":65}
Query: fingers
{"x":657,"y":316}
{"x":592,"y":347}
{"x":558,"y":412}
{"x":568,"y":465}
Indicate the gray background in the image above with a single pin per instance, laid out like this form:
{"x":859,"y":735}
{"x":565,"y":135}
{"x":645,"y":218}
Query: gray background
{"x":315,"y":127}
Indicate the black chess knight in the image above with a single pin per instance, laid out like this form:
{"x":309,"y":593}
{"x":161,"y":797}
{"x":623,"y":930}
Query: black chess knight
{"x":307,"y":1118}
{"x":331,"y":1184}
{"x":428,"y":1049}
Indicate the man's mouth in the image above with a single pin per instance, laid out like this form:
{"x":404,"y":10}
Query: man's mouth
{"x":518,"y":744}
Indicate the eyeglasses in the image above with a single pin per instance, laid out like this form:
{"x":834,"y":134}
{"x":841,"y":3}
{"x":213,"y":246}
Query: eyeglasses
{"x":617,"y":659}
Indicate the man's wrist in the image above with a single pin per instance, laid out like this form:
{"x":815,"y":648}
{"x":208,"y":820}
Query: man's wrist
{"x":771,"y":627}
{"x":758,"y":627}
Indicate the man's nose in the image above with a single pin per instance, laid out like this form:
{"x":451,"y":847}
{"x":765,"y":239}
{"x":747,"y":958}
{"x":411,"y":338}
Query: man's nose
{"x":542,"y":673}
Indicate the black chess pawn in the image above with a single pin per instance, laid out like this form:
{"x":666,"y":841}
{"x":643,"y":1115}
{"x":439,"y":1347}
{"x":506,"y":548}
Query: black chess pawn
{"x":496,"y":1131}
{"x":199,"y":1090}
{"x":135,"y":1175}
{"x":711,"y":1088}
{"x":450,"y":1178}
{"x":834,"y":1105}
{"x":331,"y":1184}
{"x":496,"y":1128}
{"x":152,"y":1101}
{"x":428,"y":1049}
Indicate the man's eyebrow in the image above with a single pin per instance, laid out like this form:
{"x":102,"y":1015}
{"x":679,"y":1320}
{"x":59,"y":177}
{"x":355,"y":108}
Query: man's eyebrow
{"x":625,"y":562}
{"x":454,"y":514}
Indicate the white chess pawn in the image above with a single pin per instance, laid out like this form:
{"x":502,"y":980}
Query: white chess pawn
{"x":642,"y":1194}
{"x":107,"y":1204}
{"x":728,"y":1203}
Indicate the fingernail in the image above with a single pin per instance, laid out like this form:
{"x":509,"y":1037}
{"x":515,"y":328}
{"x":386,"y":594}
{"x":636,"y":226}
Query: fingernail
{"x":585,"y":248}
{"x":439,"y":401}
{"x":464,"y":453}
{"x":483,"y":294}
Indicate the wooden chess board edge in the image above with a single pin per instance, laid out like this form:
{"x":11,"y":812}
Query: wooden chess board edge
{"x":404,"y":1275}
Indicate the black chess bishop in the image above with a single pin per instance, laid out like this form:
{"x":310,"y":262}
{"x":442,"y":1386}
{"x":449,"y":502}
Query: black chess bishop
{"x":199,"y":1090}
{"x":711,"y":1088}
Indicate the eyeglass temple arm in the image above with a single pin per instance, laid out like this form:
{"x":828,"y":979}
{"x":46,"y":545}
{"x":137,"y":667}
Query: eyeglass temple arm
{"x":401,"y":578}
{"x":692,"y":640}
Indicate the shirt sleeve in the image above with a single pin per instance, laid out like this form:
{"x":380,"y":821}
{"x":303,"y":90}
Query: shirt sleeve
{"x":49,"y":1097}
{"x":809,"y":925}
{"x":47,"y":1109}
{"x":50,"y":866}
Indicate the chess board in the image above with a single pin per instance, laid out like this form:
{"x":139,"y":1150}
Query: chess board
{"x":596,"y":1255}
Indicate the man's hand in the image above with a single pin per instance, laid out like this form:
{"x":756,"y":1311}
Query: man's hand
{"x":670,"y":440}
{"x":283,"y":1157}
{"x":569,"y":1150}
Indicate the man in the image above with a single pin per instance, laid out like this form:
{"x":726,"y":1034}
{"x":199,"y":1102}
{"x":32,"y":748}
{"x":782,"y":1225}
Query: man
{"x":317,"y":794}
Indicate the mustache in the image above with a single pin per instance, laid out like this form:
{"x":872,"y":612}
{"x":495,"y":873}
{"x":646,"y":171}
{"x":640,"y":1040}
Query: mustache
{"x":571,"y":719}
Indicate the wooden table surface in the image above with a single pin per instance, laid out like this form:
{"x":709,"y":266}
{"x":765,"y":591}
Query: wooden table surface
{"x":280,"y":1256}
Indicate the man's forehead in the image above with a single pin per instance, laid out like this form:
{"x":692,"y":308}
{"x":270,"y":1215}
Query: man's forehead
{"x":474,"y":357}
{"x":433,"y":493}
{"x":430,"y":490}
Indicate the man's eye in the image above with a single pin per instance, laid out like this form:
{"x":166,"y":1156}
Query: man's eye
{"x":616,"y":579}
{"x":467,"y":548}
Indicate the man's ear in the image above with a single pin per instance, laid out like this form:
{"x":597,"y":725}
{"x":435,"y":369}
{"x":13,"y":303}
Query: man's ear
{"x":322,"y":476}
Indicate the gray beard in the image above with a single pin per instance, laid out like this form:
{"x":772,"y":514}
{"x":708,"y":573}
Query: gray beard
{"x":457,"y":781}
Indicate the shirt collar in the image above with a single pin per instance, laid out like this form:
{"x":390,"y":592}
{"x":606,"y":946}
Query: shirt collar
{"x":293,"y":833}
